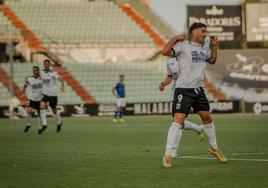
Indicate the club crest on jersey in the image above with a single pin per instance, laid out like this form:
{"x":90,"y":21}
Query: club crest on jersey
{"x":37,"y":86}
{"x":46,"y":81}
{"x":198,"y":56}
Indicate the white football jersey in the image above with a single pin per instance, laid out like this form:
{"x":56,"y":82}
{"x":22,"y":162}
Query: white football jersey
{"x":192,"y":63}
{"x":49,"y":80}
{"x":35,"y":88}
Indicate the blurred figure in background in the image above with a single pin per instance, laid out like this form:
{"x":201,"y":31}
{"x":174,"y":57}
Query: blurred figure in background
{"x":15,"y":108}
{"x":119,"y":92}
{"x":34,"y":97}
{"x":49,"y":79}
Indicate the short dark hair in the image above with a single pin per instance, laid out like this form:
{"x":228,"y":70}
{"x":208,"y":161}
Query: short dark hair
{"x":47,"y":60}
{"x":36,"y":67}
{"x":196,"y":25}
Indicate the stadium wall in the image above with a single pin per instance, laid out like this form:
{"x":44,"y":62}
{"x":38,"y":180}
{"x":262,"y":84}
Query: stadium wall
{"x":150,"y":108}
{"x":247,"y":67}
{"x":103,"y":54}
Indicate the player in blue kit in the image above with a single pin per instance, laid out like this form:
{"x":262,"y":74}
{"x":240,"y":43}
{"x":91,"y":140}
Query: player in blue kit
{"x":119,"y":92}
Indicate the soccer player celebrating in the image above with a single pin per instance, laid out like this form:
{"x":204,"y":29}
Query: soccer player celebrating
{"x":189,"y":93}
{"x":119,"y":92}
{"x":49,"y":79}
{"x":172,"y":76}
{"x":34,"y":96}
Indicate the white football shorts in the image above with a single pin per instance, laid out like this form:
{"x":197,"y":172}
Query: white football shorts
{"x":121,"y":102}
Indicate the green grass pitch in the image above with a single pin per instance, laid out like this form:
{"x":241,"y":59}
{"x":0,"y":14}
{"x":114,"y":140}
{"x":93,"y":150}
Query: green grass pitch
{"x":95,"y":152}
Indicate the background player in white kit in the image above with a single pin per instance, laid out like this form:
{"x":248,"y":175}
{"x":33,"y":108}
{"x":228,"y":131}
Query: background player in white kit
{"x":49,"y":79}
{"x":189,"y":93}
{"x":173,"y":72}
{"x":34,"y":96}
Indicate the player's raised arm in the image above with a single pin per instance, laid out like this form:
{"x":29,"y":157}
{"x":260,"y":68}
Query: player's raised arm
{"x":167,"y":50}
{"x":214,"y":50}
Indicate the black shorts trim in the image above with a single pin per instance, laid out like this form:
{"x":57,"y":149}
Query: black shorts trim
{"x":173,"y":52}
{"x":52,"y":100}
{"x":186,"y":99}
{"x":34,"y":104}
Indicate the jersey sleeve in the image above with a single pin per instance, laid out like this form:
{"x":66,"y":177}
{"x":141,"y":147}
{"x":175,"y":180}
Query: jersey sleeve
{"x":177,"y":48}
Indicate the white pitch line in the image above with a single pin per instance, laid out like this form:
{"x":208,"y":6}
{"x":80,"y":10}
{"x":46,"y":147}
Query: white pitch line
{"x":230,"y":159}
{"x":257,"y":153}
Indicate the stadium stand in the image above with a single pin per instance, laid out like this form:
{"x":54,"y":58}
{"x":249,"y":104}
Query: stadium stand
{"x":64,"y":27}
{"x":29,"y":37}
{"x":143,"y":24}
{"x":5,"y":79}
{"x":102,"y":55}
{"x":160,"y":25}
{"x":6,"y":28}
{"x":141,"y":79}
{"x":4,"y":95}
{"x":83,"y":22}
{"x":75,"y":85}
{"x":24,"y":69}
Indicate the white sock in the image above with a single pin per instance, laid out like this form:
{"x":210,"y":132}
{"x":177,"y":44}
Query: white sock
{"x":176,"y":146}
{"x":29,"y":116}
{"x":173,"y":137}
{"x":211,"y":134}
{"x":43,"y":117}
{"x":40,"y":123}
{"x":191,"y":126}
{"x":58,"y":117}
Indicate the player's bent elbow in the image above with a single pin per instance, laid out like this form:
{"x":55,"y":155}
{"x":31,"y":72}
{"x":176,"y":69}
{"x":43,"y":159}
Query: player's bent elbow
{"x":165,"y":53}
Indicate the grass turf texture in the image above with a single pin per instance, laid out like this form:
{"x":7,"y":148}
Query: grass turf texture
{"x":95,"y":152}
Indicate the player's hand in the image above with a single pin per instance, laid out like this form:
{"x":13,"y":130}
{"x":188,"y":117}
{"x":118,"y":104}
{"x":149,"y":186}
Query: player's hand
{"x":181,"y":37}
{"x":161,"y":87}
{"x":213,"y":41}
